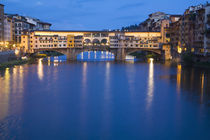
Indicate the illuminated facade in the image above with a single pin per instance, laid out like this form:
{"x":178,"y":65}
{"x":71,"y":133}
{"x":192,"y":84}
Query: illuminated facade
{"x":191,"y":33}
{"x":81,"y":39}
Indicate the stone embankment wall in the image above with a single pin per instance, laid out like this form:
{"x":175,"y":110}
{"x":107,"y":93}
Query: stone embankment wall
{"x":6,"y":56}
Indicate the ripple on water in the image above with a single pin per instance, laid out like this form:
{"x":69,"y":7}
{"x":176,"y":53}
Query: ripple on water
{"x":10,"y":128}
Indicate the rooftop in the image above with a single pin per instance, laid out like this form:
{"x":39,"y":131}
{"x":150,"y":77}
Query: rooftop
{"x":94,"y":31}
{"x":41,"y":22}
{"x":175,"y":15}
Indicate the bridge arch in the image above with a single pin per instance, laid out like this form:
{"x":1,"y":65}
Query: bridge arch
{"x":156,"y":51}
{"x":95,"y":42}
{"x":104,"y":41}
{"x":87,"y":41}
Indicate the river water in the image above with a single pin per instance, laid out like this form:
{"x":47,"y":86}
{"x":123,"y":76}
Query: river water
{"x":56,"y":99}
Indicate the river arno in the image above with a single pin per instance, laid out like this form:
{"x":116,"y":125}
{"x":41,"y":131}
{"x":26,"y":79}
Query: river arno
{"x":104,"y":100}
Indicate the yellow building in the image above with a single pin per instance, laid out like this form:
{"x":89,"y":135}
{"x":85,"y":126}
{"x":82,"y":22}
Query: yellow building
{"x":25,"y":43}
{"x":70,"y":41}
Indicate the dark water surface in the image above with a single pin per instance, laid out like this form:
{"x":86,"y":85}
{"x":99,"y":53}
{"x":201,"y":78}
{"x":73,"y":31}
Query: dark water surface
{"x":104,"y":100}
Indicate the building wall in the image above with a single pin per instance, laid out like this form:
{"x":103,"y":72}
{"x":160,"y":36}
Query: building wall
{"x":78,"y":41}
{"x":1,"y":22}
{"x":207,"y":26}
{"x":164,"y":31}
{"x":192,"y":33}
{"x":199,"y":33}
{"x":18,"y":30}
{"x":70,"y":41}
{"x":25,"y":43}
{"x":8,"y":29}
{"x":134,"y":41}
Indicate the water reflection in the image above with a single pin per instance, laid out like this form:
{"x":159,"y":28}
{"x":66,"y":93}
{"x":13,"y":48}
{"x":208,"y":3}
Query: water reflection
{"x":4,"y":95}
{"x":83,"y":112}
{"x":107,"y":81}
{"x":94,"y":97}
{"x":179,"y":75}
{"x":48,"y":61}
{"x":95,"y":55}
{"x":40,"y":70}
{"x":11,"y":88}
{"x":106,"y":108}
{"x":150,"y":87}
{"x":194,"y":81}
{"x":202,"y":86}
{"x":131,"y":72}
{"x":130,"y":57}
{"x":99,"y":56}
{"x":84,"y":78}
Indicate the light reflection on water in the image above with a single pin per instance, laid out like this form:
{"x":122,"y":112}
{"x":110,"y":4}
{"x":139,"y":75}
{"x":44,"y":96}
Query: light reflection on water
{"x":95,"y":55}
{"x":40,"y":70}
{"x":99,"y":56}
{"x":150,"y":86}
{"x":4,"y":96}
{"x":112,"y":100}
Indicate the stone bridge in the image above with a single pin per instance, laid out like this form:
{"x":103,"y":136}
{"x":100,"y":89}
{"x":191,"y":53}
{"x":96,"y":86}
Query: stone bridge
{"x":119,"y":53}
{"x":72,"y":43}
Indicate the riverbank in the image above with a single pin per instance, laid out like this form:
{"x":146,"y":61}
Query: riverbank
{"x":6,"y":56}
{"x":14,"y":63}
{"x":46,"y":54}
{"x":192,"y":60}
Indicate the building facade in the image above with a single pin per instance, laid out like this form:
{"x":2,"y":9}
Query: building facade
{"x":9,"y":29}
{"x":79,"y":39}
{"x":1,"y":22}
{"x":26,"y":24}
{"x":191,"y":32}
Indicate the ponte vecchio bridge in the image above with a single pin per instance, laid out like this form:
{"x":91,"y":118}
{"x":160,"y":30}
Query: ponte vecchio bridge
{"x":71,"y":43}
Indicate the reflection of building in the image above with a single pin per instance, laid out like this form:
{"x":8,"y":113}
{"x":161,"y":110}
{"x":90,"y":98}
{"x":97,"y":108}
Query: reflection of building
{"x":193,"y":80}
{"x":16,"y":76}
{"x":1,"y":22}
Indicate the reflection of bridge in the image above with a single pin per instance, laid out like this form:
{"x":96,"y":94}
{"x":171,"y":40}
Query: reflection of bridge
{"x":71,"y":43}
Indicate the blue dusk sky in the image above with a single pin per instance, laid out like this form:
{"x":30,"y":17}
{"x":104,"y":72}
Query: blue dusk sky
{"x":94,"y":14}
